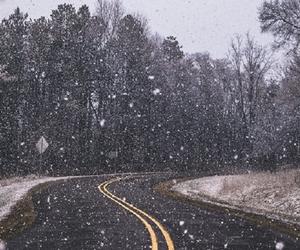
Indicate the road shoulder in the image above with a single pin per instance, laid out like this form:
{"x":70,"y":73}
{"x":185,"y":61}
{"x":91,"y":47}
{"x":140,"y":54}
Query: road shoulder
{"x":22,"y":214}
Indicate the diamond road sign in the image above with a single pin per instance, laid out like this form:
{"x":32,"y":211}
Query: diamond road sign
{"x":42,"y":145}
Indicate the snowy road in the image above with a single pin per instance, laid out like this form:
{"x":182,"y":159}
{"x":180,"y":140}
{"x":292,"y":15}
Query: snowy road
{"x":125,"y":213}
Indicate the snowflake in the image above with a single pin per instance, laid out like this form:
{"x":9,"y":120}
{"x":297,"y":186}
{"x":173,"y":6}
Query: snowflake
{"x":102,"y":122}
{"x":279,"y":246}
{"x":156,"y":91}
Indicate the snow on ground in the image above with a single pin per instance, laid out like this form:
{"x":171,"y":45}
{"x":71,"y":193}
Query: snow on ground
{"x":13,"y":189}
{"x":276,"y":195}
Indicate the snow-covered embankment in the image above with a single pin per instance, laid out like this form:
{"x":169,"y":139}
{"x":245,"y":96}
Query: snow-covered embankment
{"x":276,"y":196}
{"x":14,"y":189}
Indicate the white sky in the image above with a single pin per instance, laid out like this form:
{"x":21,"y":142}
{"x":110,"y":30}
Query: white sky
{"x":199,"y":25}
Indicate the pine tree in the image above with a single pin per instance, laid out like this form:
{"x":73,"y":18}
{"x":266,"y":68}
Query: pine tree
{"x":12,"y":45}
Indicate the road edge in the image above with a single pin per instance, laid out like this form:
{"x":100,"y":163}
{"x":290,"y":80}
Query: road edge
{"x":165,"y":188}
{"x":22,"y":214}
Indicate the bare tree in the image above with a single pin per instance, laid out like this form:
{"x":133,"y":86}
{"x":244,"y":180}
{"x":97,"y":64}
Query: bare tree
{"x":257,"y":63}
{"x":110,"y":12}
{"x":236,"y":58}
{"x":250,"y":63}
{"x":282,"y":19}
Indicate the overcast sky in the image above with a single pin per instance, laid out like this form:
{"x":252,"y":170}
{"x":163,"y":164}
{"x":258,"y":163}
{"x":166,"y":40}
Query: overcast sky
{"x":199,"y":25}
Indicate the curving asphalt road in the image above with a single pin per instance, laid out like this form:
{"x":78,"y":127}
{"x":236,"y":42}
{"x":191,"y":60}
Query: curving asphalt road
{"x":116,"y":212}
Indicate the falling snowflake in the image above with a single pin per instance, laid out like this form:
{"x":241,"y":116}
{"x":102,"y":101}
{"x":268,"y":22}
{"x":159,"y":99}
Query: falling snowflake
{"x":2,"y":245}
{"x":279,"y":246}
{"x":102,"y":123}
{"x":156,"y":91}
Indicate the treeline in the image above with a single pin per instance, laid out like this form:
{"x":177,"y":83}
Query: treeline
{"x":110,"y":96}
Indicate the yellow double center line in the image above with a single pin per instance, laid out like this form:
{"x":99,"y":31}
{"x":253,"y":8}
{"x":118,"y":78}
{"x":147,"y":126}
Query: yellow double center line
{"x":141,"y":215}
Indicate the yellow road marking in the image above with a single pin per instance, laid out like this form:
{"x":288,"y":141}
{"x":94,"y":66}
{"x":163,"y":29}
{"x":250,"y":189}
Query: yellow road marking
{"x":131,"y":208}
{"x":154,"y":243}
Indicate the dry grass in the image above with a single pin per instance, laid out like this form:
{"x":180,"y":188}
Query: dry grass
{"x":274,"y":194}
{"x":286,"y":178}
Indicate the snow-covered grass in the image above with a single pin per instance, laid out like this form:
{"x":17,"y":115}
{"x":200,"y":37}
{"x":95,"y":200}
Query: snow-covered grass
{"x":14,"y":189}
{"x":276,"y":195}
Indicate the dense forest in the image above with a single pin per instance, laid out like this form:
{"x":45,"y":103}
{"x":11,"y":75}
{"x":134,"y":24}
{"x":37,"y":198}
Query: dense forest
{"x":108,"y":95}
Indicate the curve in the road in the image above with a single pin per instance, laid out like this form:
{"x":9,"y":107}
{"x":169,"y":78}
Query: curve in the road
{"x":103,"y":188}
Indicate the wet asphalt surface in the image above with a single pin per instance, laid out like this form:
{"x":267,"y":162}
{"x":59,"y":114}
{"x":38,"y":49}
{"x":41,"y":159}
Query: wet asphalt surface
{"x":75,"y":215}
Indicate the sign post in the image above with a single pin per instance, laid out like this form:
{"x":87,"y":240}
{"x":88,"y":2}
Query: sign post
{"x":113,"y":155}
{"x":41,"y":146}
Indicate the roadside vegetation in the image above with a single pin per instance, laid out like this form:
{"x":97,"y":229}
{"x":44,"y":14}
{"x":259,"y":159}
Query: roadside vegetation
{"x":275,"y":195}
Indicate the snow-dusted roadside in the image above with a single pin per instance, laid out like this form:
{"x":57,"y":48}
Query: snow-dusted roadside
{"x":276,"y":196}
{"x":14,"y":189}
